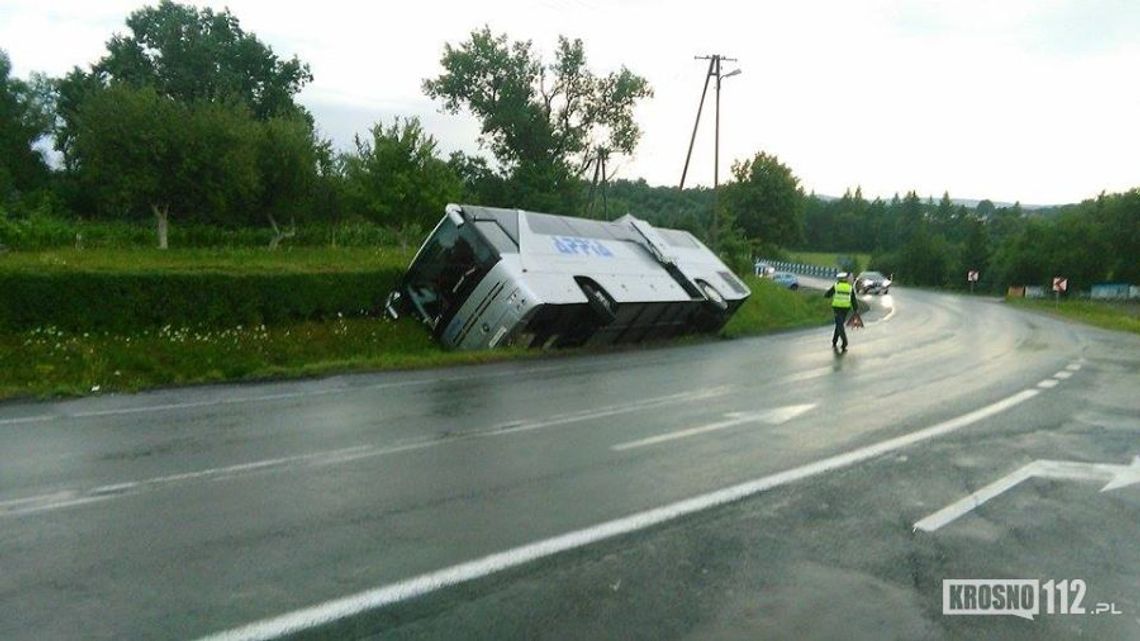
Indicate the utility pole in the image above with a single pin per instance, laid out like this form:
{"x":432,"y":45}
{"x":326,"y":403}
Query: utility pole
{"x":714,"y":70}
{"x":599,"y":162}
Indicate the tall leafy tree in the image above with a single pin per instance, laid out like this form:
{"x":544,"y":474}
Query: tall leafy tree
{"x":141,"y":152}
{"x":766,"y":200}
{"x":25,"y":117}
{"x":288,"y":158}
{"x":1118,"y":219}
{"x":192,"y":54}
{"x":189,"y":55}
{"x":236,"y":96}
{"x":541,"y":121}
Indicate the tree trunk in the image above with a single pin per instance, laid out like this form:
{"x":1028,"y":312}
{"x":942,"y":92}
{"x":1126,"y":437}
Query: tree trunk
{"x":279,"y":235}
{"x":163,"y":217}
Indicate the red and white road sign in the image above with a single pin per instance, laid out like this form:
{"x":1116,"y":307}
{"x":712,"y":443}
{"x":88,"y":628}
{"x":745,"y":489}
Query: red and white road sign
{"x":1060,"y":284}
{"x":972,"y":275}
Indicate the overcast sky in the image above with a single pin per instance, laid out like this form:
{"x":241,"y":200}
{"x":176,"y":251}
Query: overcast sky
{"x":1030,"y":100}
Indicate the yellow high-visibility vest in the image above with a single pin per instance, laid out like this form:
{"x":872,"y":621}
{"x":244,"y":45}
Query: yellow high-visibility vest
{"x":842,"y":297}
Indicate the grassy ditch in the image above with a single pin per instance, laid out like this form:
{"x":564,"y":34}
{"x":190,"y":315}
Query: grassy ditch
{"x":48,"y":360}
{"x":774,"y":308}
{"x":1120,"y":316}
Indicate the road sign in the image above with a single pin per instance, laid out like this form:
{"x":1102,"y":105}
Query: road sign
{"x":1060,"y":284}
{"x":972,"y":275}
{"x":1118,"y":476}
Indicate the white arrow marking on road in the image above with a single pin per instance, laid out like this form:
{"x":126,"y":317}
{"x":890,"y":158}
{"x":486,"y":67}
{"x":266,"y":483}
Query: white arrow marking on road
{"x":1118,"y":476}
{"x":771,"y":417}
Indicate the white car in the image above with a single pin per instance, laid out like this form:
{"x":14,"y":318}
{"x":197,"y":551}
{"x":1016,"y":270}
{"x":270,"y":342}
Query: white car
{"x":872,"y":283}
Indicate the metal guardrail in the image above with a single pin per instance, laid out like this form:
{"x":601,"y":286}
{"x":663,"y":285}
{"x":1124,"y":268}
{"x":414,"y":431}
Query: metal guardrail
{"x":802,"y":269}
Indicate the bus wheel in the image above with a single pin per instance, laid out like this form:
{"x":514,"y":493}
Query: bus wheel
{"x":604,"y":307}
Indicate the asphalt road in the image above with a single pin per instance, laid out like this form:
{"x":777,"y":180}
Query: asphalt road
{"x":761,"y":488}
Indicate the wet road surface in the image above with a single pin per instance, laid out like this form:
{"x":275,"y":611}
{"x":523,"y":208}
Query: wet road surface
{"x":184,"y":513}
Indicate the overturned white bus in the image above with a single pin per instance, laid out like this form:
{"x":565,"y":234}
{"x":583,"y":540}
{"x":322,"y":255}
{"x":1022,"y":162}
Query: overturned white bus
{"x":487,"y":277}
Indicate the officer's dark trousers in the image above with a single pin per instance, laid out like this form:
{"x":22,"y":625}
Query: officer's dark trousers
{"x":840,"y":332}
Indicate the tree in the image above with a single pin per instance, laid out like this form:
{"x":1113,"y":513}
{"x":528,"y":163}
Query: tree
{"x":227,"y":142}
{"x":189,"y":55}
{"x":910,"y":220}
{"x":481,"y":185}
{"x":288,"y":157}
{"x":1118,"y":218}
{"x":193,"y":55}
{"x":766,"y":200}
{"x":944,"y":213}
{"x":25,"y":117}
{"x":976,"y":251}
{"x":394,"y":177}
{"x":137,"y":151}
{"x":539,"y":121}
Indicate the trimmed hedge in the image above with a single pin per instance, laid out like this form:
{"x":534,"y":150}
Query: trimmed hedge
{"x":42,"y":232}
{"x":127,"y":302}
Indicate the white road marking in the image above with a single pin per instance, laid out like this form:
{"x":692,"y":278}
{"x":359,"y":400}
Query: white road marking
{"x":337,"y":609}
{"x":238,"y":400}
{"x":1048,"y":383}
{"x":584,"y":415}
{"x":772,"y":417}
{"x":818,"y":372}
{"x":25,"y":419}
{"x":1063,"y":375}
{"x":1118,"y":476}
{"x":889,"y":314}
{"x":1074,"y":367}
{"x":72,"y":498}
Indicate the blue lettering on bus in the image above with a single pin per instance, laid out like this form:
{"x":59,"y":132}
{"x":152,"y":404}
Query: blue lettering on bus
{"x":581,"y":246}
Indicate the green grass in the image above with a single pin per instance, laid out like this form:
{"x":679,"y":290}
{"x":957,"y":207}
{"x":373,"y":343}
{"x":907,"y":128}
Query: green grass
{"x":772,"y":308}
{"x":827,"y":259}
{"x":243,"y":261}
{"x":49,"y":362}
{"x":1120,"y":316}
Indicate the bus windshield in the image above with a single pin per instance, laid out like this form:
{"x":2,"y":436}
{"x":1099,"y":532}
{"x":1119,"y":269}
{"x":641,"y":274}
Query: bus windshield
{"x":447,"y":268}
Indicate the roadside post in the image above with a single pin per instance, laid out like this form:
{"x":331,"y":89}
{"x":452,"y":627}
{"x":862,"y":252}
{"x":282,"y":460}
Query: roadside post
{"x":1060,"y":284}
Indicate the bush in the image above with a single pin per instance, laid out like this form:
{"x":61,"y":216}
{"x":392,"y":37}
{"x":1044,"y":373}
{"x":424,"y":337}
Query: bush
{"x":42,"y":230}
{"x":127,"y":302}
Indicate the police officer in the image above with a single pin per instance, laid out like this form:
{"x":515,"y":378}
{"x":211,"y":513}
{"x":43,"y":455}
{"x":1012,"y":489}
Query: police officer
{"x":842,"y":296}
